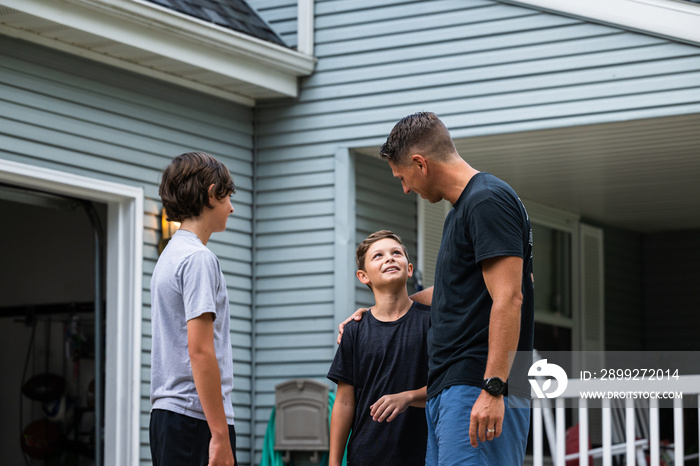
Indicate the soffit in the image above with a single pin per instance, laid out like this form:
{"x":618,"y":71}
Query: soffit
{"x":641,"y":175}
{"x":155,"y":41}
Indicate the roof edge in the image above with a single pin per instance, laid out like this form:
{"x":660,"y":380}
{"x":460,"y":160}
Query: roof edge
{"x":671,"y":19}
{"x":149,"y":29}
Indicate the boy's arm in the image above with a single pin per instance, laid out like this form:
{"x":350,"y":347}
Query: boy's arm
{"x":207,"y":381}
{"x":341,"y":421}
{"x":390,"y":406}
{"x":424,"y":297}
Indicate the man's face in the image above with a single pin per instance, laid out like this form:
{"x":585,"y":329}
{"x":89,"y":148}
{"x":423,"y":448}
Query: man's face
{"x":413,"y":177}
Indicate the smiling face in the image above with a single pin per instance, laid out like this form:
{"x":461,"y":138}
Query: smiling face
{"x":385,"y":264}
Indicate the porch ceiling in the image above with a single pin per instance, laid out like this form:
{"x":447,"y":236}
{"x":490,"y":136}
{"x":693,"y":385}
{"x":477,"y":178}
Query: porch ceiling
{"x":641,"y":175}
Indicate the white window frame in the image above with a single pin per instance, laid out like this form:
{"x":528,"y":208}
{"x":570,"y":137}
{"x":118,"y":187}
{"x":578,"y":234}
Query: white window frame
{"x":123,"y":295}
{"x":568,"y":223}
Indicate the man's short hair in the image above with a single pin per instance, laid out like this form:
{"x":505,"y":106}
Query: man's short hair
{"x":420,"y":133}
{"x":362,"y":249}
{"x":184,"y":188}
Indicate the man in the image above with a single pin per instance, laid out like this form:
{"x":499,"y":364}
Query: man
{"x":482,"y":301}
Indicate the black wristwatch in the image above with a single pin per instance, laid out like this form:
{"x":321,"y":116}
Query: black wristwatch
{"x":494,"y":386}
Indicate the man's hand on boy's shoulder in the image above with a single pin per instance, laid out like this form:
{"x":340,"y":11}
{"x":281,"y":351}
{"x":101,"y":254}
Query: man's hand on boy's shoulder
{"x":357,"y":315}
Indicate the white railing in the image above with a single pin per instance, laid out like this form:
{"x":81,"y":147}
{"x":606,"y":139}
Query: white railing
{"x":551,"y":421}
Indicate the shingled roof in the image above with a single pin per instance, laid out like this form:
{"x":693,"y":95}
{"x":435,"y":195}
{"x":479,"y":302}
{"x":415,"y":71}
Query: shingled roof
{"x":231,"y":14}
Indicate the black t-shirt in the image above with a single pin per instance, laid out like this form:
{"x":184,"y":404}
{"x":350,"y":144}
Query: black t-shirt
{"x":381,"y":358}
{"x":488,"y":220}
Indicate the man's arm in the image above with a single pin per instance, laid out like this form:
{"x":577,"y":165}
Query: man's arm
{"x":207,"y":381}
{"x":390,"y":406}
{"x":424,"y":297}
{"x":341,"y":421}
{"x":503,"y":278}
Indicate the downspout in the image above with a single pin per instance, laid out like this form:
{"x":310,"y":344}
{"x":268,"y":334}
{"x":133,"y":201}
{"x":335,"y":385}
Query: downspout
{"x":254,"y":291}
{"x":305,"y":26}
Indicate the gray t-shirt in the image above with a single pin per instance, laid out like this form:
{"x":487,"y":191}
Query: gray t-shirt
{"x":187,"y":282}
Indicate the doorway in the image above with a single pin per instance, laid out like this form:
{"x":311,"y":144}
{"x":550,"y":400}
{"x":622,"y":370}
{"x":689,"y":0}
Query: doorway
{"x":48,"y":323}
{"x":121,"y":208}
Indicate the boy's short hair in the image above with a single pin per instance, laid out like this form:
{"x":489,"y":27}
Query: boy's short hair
{"x":184,"y":188}
{"x":421,"y":132}
{"x":362,"y":249}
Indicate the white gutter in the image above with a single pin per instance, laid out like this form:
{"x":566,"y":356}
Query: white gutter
{"x":671,"y":19}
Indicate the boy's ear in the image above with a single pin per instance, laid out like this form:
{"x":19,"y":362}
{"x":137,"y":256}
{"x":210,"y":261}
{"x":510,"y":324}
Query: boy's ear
{"x":362,"y":276}
{"x":211,"y":190}
{"x":410,"y":270}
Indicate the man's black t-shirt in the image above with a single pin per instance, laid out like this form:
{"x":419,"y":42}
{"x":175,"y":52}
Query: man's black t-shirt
{"x":382,"y":358}
{"x":488,"y":220}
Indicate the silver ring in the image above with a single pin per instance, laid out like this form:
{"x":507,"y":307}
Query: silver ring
{"x":491,"y":430}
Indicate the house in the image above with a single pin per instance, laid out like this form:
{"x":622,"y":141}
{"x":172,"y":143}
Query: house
{"x":588,"y":110}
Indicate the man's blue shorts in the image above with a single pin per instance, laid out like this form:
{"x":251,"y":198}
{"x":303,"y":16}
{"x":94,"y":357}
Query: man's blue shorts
{"x":448,"y":416}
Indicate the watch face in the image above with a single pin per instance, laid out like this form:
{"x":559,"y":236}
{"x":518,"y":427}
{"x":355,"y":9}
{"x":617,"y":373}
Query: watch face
{"x":494,"y":385}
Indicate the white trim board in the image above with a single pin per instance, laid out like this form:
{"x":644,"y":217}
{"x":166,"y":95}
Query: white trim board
{"x":123,"y":295}
{"x":671,"y":19}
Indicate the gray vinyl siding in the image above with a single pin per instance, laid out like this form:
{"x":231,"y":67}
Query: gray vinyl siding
{"x":64,"y":113}
{"x":381,"y":205}
{"x":485,"y":67}
{"x":281,"y":15}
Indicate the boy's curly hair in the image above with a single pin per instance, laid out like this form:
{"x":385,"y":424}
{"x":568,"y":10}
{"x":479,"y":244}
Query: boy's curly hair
{"x":184,"y":187}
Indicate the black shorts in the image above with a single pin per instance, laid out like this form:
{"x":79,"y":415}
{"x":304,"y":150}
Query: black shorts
{"x":179,"y":440}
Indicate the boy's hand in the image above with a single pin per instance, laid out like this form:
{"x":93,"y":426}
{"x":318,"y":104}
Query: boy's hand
{"x":357,"y":315}
{"x":390,"y":406}
{"x":220,"y":453}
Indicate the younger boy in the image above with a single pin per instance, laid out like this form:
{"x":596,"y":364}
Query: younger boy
{"x":192,"y":365}
{"x":381,"y":366}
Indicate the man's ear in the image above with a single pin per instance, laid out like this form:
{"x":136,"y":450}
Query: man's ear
{"x":211,"y":190}
{"x":362,"y":276}
{"x":420,"y":162}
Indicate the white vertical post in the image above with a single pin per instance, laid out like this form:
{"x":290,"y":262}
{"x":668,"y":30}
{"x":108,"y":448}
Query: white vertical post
{"x":583,"y":432}
{"x":561,"y":432}
{"x":629,"y":430}
{"x":654,"y":453}
{"x":305,"y":26}
{"x":607,"y":433}
{"x":678,"y":446}
{"x":537,"y":434}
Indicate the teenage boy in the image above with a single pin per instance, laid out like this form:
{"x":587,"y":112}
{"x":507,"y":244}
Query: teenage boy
{"x":381,"y":366}
{"x":192,"y":365}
